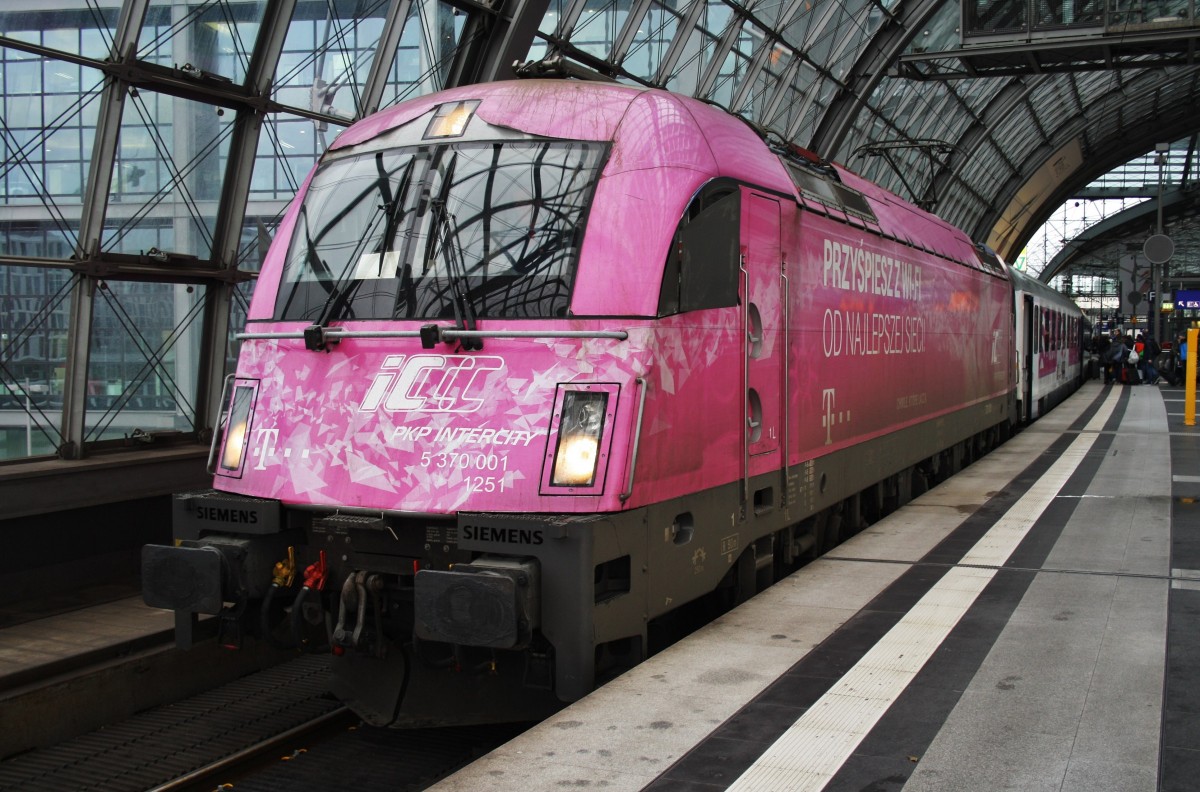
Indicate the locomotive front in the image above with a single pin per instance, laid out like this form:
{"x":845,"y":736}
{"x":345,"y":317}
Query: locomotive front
{"x":425,"y":448}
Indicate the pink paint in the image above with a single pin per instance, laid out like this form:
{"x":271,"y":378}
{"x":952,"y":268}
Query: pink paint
{"x":868,"y":335}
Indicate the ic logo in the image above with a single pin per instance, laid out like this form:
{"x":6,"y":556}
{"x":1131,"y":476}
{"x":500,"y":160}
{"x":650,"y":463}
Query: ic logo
{"x":430,"y":383}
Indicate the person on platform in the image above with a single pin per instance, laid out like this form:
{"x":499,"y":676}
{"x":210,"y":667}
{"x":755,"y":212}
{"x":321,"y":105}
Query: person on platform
{"x":1100,"y":344}
{"x":1147,"y":350}
{"x":1115,"y":359}
{"x":1182,"y":346}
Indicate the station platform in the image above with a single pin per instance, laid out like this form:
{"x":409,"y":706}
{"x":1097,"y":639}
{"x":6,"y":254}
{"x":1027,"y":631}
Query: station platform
{"x":1032,"y":624}
{"x":73,"y":664}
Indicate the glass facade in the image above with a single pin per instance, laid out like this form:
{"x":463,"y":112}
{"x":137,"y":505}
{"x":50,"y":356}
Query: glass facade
{"x":118,"y":274}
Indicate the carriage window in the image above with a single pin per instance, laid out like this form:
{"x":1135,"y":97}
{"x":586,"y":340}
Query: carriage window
{"x":702,"y":266}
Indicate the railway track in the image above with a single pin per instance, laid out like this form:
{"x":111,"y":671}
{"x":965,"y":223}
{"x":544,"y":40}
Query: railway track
{"x":220,"y":773}
{"x":273,"y":730}
{"x":365,"y":759}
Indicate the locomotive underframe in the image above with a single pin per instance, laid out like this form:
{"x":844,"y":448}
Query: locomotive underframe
{"x":604,"y":583}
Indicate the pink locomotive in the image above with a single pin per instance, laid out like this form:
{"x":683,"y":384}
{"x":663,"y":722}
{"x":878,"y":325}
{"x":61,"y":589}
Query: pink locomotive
{"x":535,"y":369}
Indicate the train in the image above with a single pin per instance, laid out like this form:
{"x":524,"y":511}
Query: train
{"x":537,"y":372}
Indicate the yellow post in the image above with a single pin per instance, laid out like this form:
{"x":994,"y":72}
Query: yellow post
{"x":1189,"y":390}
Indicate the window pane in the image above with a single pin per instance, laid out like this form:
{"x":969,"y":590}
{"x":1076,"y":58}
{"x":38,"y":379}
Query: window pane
{"x":143,"y":361}
{"x":86,"y":31}
{"x":327,"y":55}
{"x":431,"y":38}
{"x":215,"y":37}
{"x":168,"y":173}
{"x":34,"y":304}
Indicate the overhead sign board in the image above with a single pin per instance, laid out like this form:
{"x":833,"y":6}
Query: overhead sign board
{"x":1187,"y":298}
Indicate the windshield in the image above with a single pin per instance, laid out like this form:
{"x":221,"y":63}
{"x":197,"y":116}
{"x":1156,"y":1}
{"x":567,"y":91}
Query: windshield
{"x":489,"y":229}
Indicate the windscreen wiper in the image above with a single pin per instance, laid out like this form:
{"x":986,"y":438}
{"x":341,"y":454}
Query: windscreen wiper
{"x":311,"y":258}
{"x":341,"y":293}
{"x":445,"y":235}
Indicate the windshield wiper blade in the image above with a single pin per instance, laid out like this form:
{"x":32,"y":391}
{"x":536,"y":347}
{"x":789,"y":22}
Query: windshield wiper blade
{"x":342,"y":293}
{"x":446,"y":234}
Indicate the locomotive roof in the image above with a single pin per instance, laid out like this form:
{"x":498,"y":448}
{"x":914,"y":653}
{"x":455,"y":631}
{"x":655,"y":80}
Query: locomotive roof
{"x":688,"y":134}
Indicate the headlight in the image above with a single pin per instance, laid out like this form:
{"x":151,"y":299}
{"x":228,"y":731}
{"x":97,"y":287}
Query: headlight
{"x":237,"y":429}
{"x":579,"y":431}
{"x":235,"y":443}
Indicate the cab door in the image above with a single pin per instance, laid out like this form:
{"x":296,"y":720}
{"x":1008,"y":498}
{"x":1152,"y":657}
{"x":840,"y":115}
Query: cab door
{"x":762,"y":318}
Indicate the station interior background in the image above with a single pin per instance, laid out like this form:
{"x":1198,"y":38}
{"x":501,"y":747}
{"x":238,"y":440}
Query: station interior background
{"x":151,"y":146}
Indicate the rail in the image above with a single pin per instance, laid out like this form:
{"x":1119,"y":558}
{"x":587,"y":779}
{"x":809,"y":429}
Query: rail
{"x":215,"y":770}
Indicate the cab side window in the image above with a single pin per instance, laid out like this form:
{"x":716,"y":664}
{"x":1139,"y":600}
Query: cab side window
{"x":702,"y":266}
